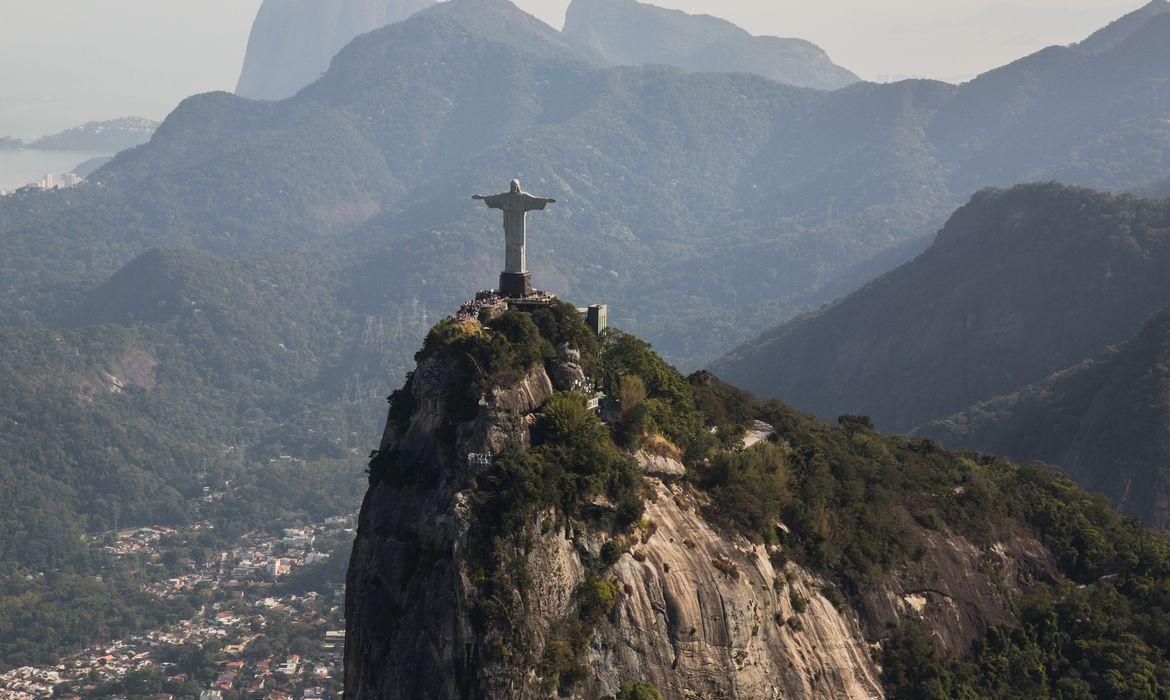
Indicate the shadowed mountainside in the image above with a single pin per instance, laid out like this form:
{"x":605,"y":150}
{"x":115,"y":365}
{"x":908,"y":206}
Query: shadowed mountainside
{"x":1018,"y":284}
{"x":1105,"y":421}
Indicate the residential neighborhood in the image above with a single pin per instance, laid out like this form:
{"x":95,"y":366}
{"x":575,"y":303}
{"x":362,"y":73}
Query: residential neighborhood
{"x":265,"y":625}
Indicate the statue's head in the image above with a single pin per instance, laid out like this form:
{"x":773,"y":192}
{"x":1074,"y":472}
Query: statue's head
{"x":515,"y":187}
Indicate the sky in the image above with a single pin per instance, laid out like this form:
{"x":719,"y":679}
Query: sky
{"x":70,"y":61}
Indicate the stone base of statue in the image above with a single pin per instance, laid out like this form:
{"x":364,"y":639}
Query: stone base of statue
{"x":515,"y":285}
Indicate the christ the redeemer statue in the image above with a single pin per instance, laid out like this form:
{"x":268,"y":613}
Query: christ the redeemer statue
{"x":516,"y":203}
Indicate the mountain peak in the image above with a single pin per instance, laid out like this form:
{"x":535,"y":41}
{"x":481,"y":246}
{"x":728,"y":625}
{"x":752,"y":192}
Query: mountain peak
{"x":1120,"y":29}
{"x":631,"y":32}
{"x":292,"y":41}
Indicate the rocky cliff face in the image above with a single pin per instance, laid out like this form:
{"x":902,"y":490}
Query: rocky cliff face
{"x":408,"y":593}
{"x":699,"y":611}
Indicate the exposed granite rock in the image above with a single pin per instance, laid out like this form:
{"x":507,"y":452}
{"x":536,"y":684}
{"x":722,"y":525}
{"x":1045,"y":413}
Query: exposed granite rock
{"x":705,"y":614}
{"x":408,"y":594}
{"x":956,"y":588}
{"x":568,"y":373}
{"x":657,"y":465}
{"x":700,"y":613}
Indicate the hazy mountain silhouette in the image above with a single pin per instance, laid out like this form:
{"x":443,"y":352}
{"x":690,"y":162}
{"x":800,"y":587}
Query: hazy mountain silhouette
{"x":1018,"y":284}
{"x":1119,"y":30}
{"x":292,"y":41}
{"x":626,"y":32}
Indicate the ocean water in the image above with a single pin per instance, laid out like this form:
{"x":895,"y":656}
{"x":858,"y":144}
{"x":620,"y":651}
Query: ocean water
{"x":19,"y":168}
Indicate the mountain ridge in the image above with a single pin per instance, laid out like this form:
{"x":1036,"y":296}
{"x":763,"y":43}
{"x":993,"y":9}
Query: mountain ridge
{"x":292,"y":41}
{"x":630,"y":32}
{"x":1117,"y":30}
{"x":811,"y":187}
{"x":870,"y":351}
{"x":1102,"y":421}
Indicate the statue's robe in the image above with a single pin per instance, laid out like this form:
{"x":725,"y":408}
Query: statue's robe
{"x":515,"y":206}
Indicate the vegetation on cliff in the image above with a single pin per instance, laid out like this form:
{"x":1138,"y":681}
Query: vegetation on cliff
{"x":854,"y":502}
{"x":840,"y":499}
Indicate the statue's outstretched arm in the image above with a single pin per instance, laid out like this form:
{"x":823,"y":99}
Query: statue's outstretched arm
{"x":492,"y":200}
{"x":537,"y":203}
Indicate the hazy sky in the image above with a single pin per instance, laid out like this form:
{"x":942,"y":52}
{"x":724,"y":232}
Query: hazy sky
{"x":72,"y":60}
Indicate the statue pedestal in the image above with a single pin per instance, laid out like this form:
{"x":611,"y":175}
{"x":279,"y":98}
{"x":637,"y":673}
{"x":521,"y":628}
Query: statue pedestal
{"x":515,"y":284}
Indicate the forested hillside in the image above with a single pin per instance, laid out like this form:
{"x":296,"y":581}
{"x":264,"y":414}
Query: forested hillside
{"x":240,"y":380}
{"x":1104,"y":421}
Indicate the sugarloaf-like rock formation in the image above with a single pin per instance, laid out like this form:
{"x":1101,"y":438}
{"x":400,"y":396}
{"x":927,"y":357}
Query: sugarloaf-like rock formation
{"x":292,"y":41}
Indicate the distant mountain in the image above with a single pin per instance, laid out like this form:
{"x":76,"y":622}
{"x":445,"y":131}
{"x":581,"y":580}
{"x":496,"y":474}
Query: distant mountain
{"x":1018,"y":284}
{"x":1119,"y":30}
{"x":721,"y":202}
{"x":626,"y":32}
{"x":1105,"y":421}
{"x":111,"y":136}
{"x":292,"y":41}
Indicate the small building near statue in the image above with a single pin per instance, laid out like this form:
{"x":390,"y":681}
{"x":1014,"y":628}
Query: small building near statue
{"x":596,"y":317}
